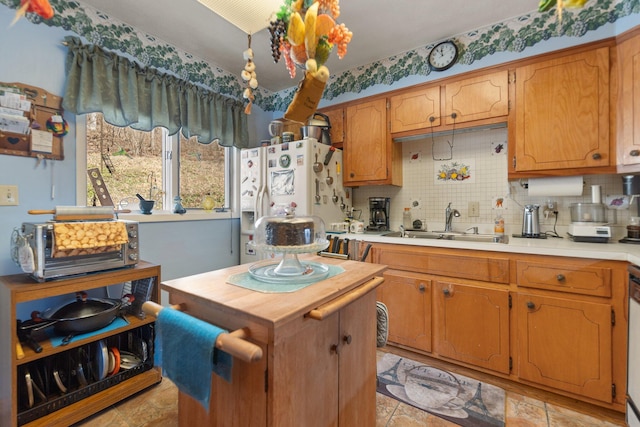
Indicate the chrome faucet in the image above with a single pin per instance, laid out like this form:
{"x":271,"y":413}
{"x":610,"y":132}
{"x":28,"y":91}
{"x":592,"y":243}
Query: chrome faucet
{"x":448,"y":215}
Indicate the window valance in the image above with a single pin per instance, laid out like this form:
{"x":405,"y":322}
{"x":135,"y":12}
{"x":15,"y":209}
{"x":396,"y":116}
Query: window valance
{"x":129,"y":94}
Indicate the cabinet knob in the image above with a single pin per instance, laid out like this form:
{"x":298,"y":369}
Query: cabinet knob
{"x":634,"y":153}
{"x":334,"y":348}
{"x":596,"y":156}
{"x":352,"y":174}
{"x":347,"y":339}
{"x":560,"y":277}
{"x":421,"y":287}
{"x":530,"y":305}
{"x":446,"y":292}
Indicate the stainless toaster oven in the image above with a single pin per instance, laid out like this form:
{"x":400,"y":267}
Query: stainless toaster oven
{"x":59,"y":249}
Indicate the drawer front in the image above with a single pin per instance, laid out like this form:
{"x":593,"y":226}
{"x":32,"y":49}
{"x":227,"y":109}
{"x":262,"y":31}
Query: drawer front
{"x":494,"y":270}
{"x":576,"y":279}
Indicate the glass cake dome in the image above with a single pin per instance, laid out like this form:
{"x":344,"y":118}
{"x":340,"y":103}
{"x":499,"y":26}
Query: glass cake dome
{"x":290,"y":235}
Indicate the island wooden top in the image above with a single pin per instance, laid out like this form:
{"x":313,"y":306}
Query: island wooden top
{"x":211,"y":289}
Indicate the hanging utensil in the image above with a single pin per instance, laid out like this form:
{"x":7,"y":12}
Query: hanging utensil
{"x":317,"y":166}
{"x":329,"y":178}
{"x":317,"y":191}
{"x":335,"y":196}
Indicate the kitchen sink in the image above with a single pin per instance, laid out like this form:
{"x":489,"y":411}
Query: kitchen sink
{"x":448,"y":235}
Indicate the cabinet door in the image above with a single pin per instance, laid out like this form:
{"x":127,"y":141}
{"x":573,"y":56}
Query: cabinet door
{"x":477,"y":98}
{"x":629,"y":107}
{"x":408,"y":300}
{"x":415,"y":110}
{"x":357,"y":371}
{"x":303,"y":383}
{"x":367,"y":153}
{"x":471,"y":324}
{"x":562,"y":112}
{"x":565,"y":344}
{"x":336,"y":119}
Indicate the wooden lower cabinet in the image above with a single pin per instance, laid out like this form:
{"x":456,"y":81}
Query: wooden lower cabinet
{"x":471,"y":324}
{"x":317,"y":373}
{"x":565,"y":344}
{"x":555,"y":323}
{"x":318,"y":378}
{"x":408,"y":300}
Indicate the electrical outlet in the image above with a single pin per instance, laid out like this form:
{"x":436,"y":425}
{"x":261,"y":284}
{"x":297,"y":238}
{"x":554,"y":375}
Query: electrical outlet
{"x":8,"y":195}
{"x":474,"y":209}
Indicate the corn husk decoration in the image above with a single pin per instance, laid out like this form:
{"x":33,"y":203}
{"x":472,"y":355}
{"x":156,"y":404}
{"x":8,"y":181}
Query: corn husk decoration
{"x":41,"y":8}
{"x":248,"y":75}
{"x":545,"y":5}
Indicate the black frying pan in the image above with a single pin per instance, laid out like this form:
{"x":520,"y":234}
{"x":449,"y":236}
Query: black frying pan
{"x":75,"y":317}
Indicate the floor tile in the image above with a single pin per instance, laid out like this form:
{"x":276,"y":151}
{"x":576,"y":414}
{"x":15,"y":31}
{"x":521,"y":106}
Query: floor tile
{"x":158,"y":407}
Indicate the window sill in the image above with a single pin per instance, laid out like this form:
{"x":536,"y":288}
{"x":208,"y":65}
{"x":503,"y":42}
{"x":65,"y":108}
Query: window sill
{"x":167,"y":216}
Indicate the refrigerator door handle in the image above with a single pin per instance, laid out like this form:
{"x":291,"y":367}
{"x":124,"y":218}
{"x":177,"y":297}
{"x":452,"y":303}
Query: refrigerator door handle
{"x":259,"y":208}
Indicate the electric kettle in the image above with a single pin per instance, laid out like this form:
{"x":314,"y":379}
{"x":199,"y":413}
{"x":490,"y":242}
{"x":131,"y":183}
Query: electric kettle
{"x":531,"y":221}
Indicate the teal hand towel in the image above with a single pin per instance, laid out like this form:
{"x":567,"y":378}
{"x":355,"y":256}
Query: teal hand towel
{"x":185,"y":348}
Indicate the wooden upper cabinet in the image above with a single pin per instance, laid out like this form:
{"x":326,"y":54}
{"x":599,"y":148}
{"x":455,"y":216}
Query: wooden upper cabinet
{"x":477,"y":98}
{"x":369,"y":156}
{"x":418,"y":109}
{"x":629,"y":102}
{"x":336,"y":120}
{"x":562,"y":113}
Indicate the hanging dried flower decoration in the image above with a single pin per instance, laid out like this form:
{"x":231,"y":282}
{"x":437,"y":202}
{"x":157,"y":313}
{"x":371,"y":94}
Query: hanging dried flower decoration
{"x":545,"y":5}
{"x":248,"y":74}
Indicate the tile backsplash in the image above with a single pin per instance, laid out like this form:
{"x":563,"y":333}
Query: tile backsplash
{"x":472,"y":167}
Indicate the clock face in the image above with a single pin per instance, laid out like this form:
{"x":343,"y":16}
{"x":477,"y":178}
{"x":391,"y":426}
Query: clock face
{"x":443,"y":56}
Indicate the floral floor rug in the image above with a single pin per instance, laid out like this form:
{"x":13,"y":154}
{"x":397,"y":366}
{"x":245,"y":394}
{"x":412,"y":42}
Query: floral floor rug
{"x":456,"y":398}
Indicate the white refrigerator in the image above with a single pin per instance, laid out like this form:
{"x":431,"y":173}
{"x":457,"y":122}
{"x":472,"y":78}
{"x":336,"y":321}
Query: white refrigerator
{"x":284,"y":174}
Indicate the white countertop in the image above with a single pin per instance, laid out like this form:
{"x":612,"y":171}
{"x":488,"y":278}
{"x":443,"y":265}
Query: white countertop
{"x":550,"y":246}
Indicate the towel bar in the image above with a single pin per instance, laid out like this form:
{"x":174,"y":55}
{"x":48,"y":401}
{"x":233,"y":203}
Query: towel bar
{"x":232,"y":343}
{"x":339,"y":303}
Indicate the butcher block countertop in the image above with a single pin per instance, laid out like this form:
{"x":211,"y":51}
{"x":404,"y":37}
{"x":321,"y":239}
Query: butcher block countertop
{"x":211,"y":288}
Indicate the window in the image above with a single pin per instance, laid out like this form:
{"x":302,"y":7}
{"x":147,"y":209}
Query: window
{"x":134,"y":162}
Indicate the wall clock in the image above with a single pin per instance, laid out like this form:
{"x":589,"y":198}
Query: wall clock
{"x":443,"y":55}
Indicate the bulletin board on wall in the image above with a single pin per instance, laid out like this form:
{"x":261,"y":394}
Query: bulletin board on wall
{"x":31,"y":122}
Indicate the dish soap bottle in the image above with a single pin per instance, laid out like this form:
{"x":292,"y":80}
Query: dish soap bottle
{"x":406,"y":219}
{"x":498,"y":224}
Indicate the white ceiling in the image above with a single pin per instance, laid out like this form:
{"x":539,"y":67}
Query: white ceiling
{"x":381,"y":28}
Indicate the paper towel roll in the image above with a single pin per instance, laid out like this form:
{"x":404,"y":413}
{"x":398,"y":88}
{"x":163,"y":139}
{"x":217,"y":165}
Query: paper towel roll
{"x":556,"y":186}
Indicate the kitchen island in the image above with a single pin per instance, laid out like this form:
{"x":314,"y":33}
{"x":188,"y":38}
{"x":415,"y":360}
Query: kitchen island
{"x":318,"y":343}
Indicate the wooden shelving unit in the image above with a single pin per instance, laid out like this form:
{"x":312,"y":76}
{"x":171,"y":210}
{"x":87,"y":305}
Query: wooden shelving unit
{"x":62,"y":409}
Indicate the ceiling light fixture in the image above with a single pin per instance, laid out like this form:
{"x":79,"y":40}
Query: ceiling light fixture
{"x":249,"y":16}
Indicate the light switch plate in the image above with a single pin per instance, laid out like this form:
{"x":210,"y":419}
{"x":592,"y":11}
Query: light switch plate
{"x":474,"y":209}
{"x":8,"y":195}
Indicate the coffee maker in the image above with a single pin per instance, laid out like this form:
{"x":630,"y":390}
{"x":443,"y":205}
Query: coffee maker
{"x":379,"y":213}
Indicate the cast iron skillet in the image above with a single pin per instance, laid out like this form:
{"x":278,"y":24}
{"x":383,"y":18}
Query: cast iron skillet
{"x":79,"y":316}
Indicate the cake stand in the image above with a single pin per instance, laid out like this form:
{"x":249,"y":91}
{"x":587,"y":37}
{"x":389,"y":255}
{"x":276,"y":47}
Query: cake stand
{"x":290,"y":269}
